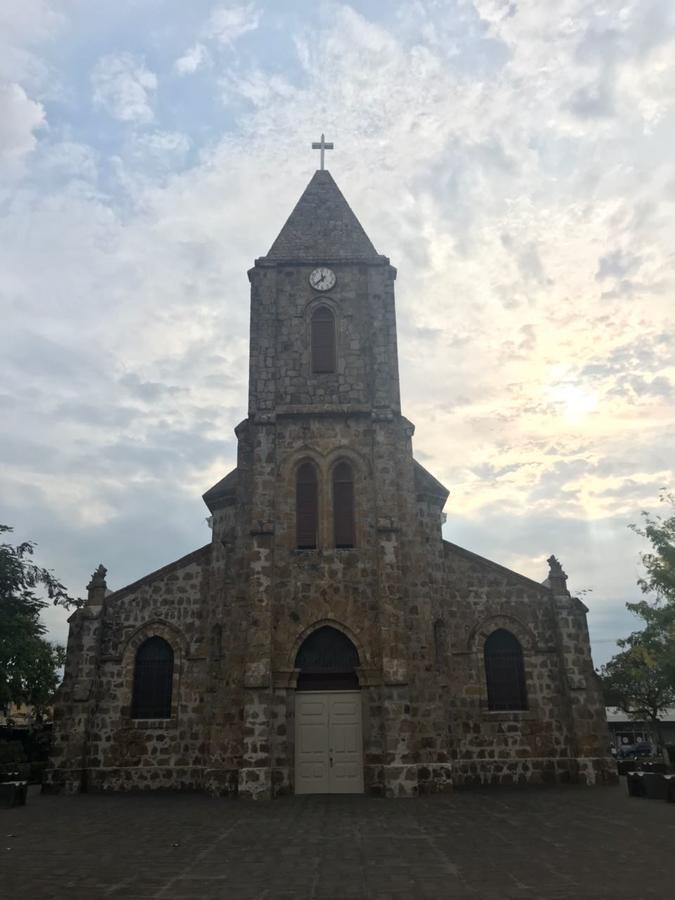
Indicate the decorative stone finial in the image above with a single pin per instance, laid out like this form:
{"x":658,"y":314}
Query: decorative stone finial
{"x":98,"y":578}
{"x":557,"y":579}
{"x":97,"y":586}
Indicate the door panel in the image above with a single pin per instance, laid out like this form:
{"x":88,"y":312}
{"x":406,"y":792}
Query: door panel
{"x":345,"y":744}
{"x":328,"y":743}
{"x":312,"y":763}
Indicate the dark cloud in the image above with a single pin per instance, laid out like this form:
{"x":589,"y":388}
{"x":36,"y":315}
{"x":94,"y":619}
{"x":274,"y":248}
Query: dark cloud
{"x":104,"y":415}
{"x":617,"y":264}
{"x":595,"y":101}
{"x":51,"y":359}
{"x":633,"y":387}
{"x":629,"y":489}
{"x":489,"y":472}
{"x":149,"y":391}
{"x":19,"y":451}
{"x":165,"y":452}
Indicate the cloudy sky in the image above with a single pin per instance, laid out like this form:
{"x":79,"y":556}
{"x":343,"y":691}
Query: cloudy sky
{"x":514,"y":158}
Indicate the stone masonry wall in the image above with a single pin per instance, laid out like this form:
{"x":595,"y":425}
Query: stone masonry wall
{"x":418,"y":609}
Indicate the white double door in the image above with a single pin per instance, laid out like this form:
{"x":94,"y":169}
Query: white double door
{"x":328,"y":743}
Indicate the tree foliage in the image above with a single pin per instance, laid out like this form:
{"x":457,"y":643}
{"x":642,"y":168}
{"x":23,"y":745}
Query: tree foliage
{"x":640,"y":679}
{"x":637,"y":682}
{"x":29,"y":664}
{"x":659,"y":563}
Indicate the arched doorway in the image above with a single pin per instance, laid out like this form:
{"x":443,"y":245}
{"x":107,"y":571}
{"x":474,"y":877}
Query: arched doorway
{"x":328,"y":731}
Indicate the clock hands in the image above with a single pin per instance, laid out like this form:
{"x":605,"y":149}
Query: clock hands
{"x":322,"y":279}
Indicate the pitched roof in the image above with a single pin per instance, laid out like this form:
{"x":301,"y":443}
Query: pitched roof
{"x":322,"y":227}
{"x":483,"y":562}
{"x":223,"y":489}
{"x":425,"y":483}
{"x":187,"y":560}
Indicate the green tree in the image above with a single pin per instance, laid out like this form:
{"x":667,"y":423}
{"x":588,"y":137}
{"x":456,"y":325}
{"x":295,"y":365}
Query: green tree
{"x":659,"y":563}
{"x":29,"y":664}
{"x":635,"y":680}
{"x":641,"y":679}
{"x":658,"y":613}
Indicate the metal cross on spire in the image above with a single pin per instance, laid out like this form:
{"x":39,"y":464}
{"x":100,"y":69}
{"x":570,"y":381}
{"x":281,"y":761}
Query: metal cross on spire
{"x":322,"y":146}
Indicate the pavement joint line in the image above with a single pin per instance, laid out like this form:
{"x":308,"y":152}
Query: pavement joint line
{"x":205,"y":852}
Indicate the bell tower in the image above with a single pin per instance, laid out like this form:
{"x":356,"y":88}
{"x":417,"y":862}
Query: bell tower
{"x":323,"y":326}
{"x":315,"y":515}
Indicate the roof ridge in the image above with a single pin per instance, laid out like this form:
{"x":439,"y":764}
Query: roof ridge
{"x":495,"y":565}
{"x":163,"y":570}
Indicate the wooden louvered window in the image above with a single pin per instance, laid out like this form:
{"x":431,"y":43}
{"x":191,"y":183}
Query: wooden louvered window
{"x":306,"y":507}
{"x":153,"y":680}
{"x":505,"y":671}
{"x":323,"y":341}
{"x":343,"y":506}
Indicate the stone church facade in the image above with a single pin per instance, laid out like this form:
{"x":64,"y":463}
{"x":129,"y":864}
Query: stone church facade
{"x":327,"y":639}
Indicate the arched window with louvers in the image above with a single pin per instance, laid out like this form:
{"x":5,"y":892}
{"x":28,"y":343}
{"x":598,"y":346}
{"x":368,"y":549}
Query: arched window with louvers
{"x":306,"y":507}
{"x":323,"y":341}
{"x":505,"y":671}
{"x":153,"y":680}
{"x":343,"y":506}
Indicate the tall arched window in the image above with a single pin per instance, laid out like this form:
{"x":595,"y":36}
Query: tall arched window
{"x":505,"y":671}
{"x":343,"y":505}
{"x":306,"y":507}
{"x":153,"y":680}
{"x":323,"y":340}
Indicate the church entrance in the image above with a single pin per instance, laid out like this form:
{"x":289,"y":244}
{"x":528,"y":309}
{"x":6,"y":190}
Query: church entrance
{"x":328,"y":730}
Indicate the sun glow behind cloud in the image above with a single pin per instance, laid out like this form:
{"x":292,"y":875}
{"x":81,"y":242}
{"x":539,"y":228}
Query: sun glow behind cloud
{"x":513,"y":160}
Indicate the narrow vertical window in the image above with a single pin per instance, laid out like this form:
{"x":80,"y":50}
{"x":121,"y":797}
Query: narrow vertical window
{"x":153,"y":680}
{"x":306,"y":507}
{"x":505,"y":671}
{"x":323,"y":340}
{"x":343,"y":505}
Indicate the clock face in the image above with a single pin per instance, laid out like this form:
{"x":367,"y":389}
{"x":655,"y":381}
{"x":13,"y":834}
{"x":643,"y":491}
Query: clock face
{"x":322,"y":279}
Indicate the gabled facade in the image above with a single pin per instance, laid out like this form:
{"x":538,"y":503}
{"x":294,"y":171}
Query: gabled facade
{"x":327,"y":639}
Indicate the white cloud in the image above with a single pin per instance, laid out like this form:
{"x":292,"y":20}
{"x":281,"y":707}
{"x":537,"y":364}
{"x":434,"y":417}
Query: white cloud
{"x":534,"y":297}
{"x":255,"y":86}
{"x":196,"y":57}
{"x":166,"y":149}
{"x":228,"y":23}
{"x":23,"y":27}
{"x":124,"y":87}
{"x":21,"y":117}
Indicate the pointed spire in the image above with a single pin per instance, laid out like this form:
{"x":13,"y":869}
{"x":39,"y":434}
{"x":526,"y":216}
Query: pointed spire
{"x":322,"y":227}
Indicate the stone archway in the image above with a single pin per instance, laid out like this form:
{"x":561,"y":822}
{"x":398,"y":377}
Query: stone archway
{"x":327,"y":661}
{"x":328,"y":726}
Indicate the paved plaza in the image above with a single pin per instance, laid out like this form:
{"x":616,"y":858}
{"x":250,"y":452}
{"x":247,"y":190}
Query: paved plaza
{"x":556,"y":843}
